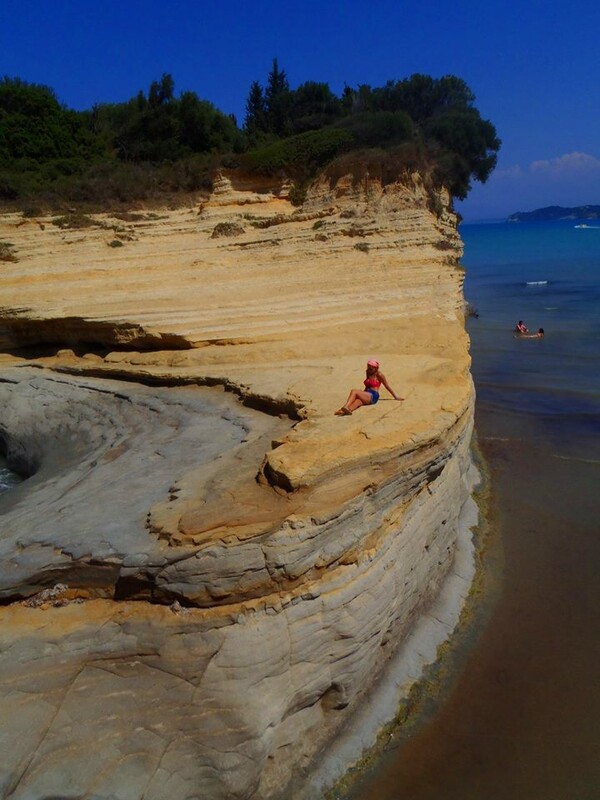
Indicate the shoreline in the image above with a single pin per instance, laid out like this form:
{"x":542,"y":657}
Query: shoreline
{"x":435,"y":627}
{"x":510,"y":687}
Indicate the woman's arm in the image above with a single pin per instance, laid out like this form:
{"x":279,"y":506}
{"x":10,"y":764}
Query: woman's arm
{"x":383,"y":379}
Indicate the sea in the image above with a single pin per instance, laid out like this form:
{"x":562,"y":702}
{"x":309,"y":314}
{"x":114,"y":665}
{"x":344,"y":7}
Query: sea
{"x":548,"y":275}
{"x":511,"y":710}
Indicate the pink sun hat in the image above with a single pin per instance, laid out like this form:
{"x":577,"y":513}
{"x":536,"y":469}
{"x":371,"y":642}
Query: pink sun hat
{"x":372,"y":362}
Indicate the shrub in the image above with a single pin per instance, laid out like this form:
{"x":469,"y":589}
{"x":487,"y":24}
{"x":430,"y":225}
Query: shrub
{"x":130,"y":216}
{"x":30,"y":211}
{"x":7,"y":252}
{"x":443,"y":244}
{"x":75,"y":219}
{"x":301,"y":155}
{"x":227,"y":229}
{"x":378,"y":163}
{"x":297,"y":194}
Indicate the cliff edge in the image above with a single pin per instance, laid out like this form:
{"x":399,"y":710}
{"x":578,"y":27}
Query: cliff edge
{"x":235,"y":567}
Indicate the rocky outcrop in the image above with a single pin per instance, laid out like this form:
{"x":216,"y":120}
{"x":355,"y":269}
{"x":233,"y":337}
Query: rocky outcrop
{"x":236,"y":567}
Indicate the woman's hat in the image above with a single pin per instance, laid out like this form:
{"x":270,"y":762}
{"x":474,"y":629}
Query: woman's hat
{"x":372,"y":362}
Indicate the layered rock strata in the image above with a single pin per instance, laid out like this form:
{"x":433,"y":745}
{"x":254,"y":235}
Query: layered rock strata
{"x":237,"y":566}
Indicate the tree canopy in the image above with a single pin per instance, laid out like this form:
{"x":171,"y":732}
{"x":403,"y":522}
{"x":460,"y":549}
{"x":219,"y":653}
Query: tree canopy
{"x":437,"y":115}
{"x":175,"y":140}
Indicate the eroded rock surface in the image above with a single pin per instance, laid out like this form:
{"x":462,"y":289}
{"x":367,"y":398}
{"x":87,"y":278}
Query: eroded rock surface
{"x":276,"y":554}
{"x":101,"y":454}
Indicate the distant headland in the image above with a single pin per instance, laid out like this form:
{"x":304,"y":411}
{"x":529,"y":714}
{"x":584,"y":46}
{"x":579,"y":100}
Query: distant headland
{"x":556,"y":212}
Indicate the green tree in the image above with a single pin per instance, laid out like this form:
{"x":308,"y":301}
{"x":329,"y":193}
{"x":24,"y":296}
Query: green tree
{"x":312,"y":106}
{"x":349,"y":99}
{"x":203,"y":128}
{"x":40,"y":140}
{"x":161,"y":92}
{"x":35,"y":126}
{"x":363,"y":100}
{"x":255,"y":123}
{"x":440,"y":113}
{"x":423,"y":98}
{"x":277,"y":100}
{"x":469,"y":148}
{"x":378,"y":128}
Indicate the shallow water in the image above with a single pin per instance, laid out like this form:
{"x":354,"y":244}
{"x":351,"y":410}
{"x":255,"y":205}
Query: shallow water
{"x":518,"y":715}
{"x":8,"y":478}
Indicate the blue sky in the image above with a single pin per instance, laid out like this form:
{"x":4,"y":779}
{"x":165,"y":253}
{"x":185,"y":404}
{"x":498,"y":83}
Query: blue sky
{"x":534,"y":67}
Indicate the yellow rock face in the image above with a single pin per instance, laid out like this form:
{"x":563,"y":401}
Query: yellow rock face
{"x":287,"y":305}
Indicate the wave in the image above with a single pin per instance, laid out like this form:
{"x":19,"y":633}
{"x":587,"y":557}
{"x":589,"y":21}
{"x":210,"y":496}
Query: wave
{"x":577,"y":458}
{"x":536,"y":283}
{"x":8,"y":478}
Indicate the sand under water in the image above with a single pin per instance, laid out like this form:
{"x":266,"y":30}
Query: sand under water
{"x":519,"y":716}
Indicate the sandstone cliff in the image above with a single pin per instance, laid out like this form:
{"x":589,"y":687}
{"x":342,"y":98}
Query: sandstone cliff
{"x":239,"y":566}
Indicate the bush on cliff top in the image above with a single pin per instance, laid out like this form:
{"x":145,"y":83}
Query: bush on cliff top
{"x":301,"y":154}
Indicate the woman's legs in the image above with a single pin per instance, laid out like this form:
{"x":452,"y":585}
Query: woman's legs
{"x":356,"y":399}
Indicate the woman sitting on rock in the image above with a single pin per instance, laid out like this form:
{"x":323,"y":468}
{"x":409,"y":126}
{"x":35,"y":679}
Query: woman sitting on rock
{"x":370,"y":394}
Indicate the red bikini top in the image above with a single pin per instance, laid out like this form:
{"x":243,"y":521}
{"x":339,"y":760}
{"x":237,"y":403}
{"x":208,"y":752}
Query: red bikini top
{"x":372,"y":383}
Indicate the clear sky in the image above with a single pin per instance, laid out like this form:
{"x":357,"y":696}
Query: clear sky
{"x":534,"y":66}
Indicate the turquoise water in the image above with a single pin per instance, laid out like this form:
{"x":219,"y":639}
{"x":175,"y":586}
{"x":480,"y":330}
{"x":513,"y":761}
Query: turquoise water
{"x":547,"y":274}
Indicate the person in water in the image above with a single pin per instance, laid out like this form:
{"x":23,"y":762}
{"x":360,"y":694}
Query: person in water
{"x":370,"y":394}
{"x":521,"y":328}
{"x":538,"y":335}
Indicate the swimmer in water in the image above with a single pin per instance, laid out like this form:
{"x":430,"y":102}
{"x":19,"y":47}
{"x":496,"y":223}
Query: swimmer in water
{"x":538,"y":335}
{"x":521,"y":328}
